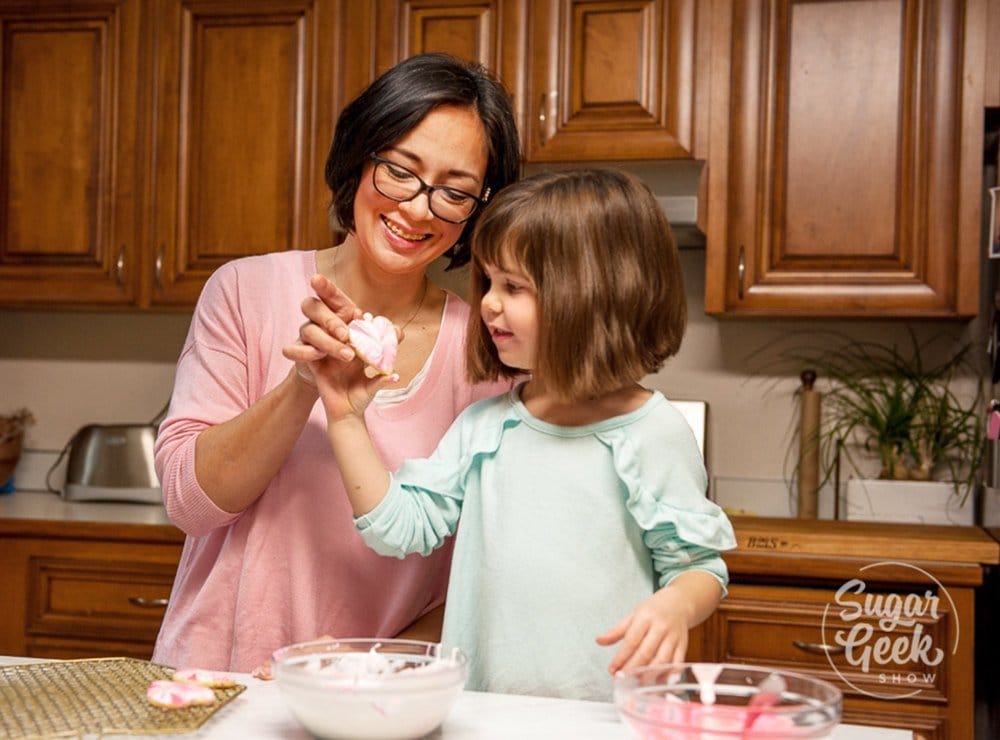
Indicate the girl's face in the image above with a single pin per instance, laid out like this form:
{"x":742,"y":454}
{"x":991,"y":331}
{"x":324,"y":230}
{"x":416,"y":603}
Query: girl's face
{"x":447,"y":148}
{"x":510,"y":311}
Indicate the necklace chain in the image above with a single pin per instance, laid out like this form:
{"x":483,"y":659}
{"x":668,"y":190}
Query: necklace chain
{"x":423,"y":295}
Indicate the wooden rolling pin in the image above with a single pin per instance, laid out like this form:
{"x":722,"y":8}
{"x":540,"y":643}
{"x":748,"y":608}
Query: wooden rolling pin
{"x":809,"y":447}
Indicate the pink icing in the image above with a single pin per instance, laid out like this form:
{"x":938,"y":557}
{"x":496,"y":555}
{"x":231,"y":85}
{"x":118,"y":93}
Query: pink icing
{"x":178,"y":694}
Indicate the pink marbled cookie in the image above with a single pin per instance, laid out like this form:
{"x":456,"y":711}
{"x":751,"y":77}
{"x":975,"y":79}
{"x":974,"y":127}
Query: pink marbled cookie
{"x":178,"y":694}
{"x":374,"y":341}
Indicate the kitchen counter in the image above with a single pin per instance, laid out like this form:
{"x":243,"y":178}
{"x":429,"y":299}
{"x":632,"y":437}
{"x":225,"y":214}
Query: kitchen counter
{"x":260,"y":712}
{"x":48,"y":506}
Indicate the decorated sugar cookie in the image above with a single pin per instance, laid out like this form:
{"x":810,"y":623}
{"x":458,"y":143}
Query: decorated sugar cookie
{"x":374,"y":340}
{"x":212,"y":679}
{"x":179,"y":694}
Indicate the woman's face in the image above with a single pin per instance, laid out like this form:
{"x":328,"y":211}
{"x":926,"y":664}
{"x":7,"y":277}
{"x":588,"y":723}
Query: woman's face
{"x":447,"y":148}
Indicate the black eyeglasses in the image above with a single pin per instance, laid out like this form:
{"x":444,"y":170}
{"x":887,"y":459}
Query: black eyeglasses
{"x":400,"y":184}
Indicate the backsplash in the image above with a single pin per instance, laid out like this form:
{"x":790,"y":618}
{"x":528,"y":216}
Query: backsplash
{"x":76,"y":368}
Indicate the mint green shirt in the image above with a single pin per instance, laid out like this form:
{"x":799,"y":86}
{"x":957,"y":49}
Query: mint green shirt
{"x":564,"y":530}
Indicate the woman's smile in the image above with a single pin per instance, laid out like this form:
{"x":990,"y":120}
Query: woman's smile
{"x":399,"y":231}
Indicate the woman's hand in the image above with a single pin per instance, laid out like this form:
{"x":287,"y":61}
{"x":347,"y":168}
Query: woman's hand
{"x":324,"y":334}
{"x":324,"y":358}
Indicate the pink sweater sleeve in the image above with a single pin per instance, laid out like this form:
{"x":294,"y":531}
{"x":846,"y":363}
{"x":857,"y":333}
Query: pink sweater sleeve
{"x":210,"y":387}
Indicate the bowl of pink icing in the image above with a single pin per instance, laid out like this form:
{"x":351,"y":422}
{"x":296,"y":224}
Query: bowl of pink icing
{"x":715,"y":701}
{"x":365,"y":689}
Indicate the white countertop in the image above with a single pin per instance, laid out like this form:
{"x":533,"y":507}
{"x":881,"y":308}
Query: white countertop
{"x":260,"y":713}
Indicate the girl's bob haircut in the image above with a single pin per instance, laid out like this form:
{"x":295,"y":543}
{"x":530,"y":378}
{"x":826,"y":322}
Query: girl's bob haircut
{"x":396,"y":103}
{"x":599,"y":252}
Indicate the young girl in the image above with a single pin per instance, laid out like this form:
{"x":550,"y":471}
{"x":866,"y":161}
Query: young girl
{"x":584,"y":522}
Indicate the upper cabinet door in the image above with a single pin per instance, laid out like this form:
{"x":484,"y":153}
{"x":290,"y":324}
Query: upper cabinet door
{"x":608,"y":80}
{"x":617,"y":80}
{"x":242,"y":118}
{"x":68,"y":85}
{"x":491,"y":32}
{"x":845,"y":168}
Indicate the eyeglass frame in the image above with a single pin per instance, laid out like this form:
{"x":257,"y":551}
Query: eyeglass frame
{"x":425,"y":188}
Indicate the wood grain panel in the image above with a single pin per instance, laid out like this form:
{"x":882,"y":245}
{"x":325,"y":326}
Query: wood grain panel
{"x":465,"y":31}
{"x":58,"y":135}
{"x":846,"y":158}
{"x":68,"y":92}
{"x":67,"y":586}
{"x":835,"y":213}
{"x":244,"y":110}
{"x":784,"y":626}
{"x":231,"y":138}
{"x":96,"y":598}
{"x":615,"y":80}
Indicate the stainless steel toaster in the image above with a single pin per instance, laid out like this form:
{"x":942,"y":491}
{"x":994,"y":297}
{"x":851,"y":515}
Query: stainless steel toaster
{"x":112,"y":462}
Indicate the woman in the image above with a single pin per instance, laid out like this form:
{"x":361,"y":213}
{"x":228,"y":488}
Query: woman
{"x":271,"y":555}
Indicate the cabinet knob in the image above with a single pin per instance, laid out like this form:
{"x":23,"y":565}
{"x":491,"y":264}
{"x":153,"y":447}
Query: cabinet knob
{"x":143,"y":602}
{"x":818,"y":648}
{"x":543,"y":117}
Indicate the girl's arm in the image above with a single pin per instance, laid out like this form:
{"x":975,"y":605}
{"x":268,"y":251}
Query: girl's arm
{"x":346,"y":392}
{"x":656,"y":631}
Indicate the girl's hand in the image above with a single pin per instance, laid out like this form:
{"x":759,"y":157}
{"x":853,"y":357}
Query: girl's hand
{"x":656,"y":631}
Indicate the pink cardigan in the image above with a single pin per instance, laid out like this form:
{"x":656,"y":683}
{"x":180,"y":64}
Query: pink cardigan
{"x":292,"y":566}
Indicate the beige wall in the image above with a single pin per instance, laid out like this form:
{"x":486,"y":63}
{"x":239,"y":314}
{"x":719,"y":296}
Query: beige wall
{"x":75,"y":368}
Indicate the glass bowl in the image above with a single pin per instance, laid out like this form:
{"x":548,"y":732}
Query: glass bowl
{"x":369,"y":689}
{"x":712,"y":701}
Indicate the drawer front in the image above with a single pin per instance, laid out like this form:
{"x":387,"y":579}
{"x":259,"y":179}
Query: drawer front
{"x":101,"y":599}
{"x":807,"y":630}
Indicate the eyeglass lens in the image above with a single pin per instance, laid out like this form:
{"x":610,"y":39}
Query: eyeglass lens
{"x":398,"y":183}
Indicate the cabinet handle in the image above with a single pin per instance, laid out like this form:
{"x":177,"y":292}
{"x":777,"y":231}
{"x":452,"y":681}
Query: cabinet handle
{"x":158,"y":274}
{"x":543,"y":117}
{"x":120,"y":267}
{"x":741,"y":272}
{"x":142,"y":601}
{"x":818,"y":648}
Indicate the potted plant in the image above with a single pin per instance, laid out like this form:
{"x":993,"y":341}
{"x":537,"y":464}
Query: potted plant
{"x":894,"y":414}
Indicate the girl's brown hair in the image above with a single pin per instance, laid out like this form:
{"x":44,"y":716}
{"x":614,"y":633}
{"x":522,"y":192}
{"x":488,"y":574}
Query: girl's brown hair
{"x":598,"y":248}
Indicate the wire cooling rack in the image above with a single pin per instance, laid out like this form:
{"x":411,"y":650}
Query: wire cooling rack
{"x":101,"y":696}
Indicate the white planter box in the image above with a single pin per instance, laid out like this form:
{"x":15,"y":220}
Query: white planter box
{"x":912,"y":502}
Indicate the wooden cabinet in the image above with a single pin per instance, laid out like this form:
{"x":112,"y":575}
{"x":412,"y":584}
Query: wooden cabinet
{"x":83,"y":590}
{"x":887,"y":613}
{"x":69,"y":187}
{"x":591,"y":79}
{"x":845,"y":158}
{"x":146,"y":143}
{"x":622,"y":80}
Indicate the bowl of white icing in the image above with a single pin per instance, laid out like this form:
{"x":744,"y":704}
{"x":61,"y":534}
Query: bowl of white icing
{"x":367,"y":689}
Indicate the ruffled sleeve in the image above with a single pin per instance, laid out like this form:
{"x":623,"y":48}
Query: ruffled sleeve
{"x":666,"y":482}
{"x":424,"y":501}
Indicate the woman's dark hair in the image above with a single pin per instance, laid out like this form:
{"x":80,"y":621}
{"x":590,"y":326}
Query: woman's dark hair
{"x":598,"y":250}
{"x":396,"y":103}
